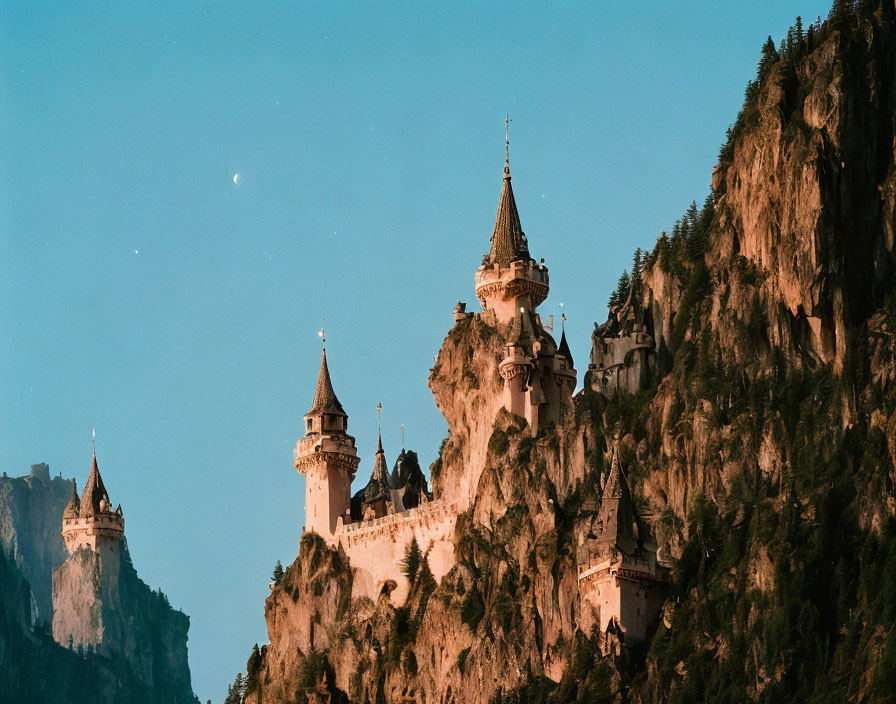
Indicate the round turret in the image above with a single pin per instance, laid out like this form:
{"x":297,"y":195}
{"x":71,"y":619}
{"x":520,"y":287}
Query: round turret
{"x":509,"y":277}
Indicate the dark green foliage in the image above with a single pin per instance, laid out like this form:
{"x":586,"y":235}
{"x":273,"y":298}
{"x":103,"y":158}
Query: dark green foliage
{"x":277,"y":575}
{"x":236,"y":691}
{"x":412,"y":559}
{"x":623,"y":287}
{"x":768,"y":57}
{"x":498,"y":443}
{"x":312,"y":671}
{"x":473,"y":608}
{"x":462,"y":659}
{"x":406,"y":622}
{"x":253,"y":666}
{"x":697,"y":289}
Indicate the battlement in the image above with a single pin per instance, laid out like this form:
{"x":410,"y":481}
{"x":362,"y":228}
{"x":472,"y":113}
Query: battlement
{"x":338,"y":449}
{"x":376,"y":547}
{"x":644,"y":569}
{"x":92,"y":531}
{"x":430,"y":511}
{"x":499,"y":287}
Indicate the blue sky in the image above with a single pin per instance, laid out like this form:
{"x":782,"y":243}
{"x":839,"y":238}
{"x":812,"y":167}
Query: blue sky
{"x":143,"y":293}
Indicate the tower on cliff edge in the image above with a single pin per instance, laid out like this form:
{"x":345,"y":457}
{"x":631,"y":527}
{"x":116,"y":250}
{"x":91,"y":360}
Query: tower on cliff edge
{"x":91,"y":521}
{"x":326,"y":455}
{"x":539,"y":376}
{"x":509,"y":278}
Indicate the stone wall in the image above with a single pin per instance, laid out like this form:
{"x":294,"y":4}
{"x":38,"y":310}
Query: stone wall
{"x":376,"y":548}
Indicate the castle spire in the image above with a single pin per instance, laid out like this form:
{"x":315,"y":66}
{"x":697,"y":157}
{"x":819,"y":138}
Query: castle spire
{"x":564,"y":345}
{"x":508,"y":241}
{"x":617,"y":513}
{"x":325,"y":400}
{"x":94,"y":491}
{"x":378,"y":486}
{"x":507,"y":122}
{"x":73,"y":508}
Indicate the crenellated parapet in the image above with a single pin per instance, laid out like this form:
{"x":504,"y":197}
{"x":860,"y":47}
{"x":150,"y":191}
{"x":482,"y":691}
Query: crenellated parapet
{"x":504,"y":288}
{"x":376,"y":547}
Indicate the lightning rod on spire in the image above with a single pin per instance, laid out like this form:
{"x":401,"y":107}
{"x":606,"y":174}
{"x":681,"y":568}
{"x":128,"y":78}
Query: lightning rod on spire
{"x":323,"y":332}
{"x":507,"y":122}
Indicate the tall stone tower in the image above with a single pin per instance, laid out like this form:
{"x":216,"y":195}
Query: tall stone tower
{"x":326,"y":455}
{"x":539,"y":376}
{"x":510,"y":279}
{"x":86,"y":598}
{"x":90,"y":521}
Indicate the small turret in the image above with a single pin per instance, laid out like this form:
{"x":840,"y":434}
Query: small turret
{"x":376,"y":497}
{"x":73,"y":507}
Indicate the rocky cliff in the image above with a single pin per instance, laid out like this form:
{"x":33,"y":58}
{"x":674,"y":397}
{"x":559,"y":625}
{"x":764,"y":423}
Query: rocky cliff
{"x":30,"y":519}
{"x":142,"y":653}
{"x":761,"y":454}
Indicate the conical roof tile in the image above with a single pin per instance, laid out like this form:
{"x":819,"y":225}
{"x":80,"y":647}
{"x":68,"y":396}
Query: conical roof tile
{"x":508,"y":241}
{"x":325,"y":400}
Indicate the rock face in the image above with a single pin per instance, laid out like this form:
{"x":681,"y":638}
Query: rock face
{"x":30,"y":515}
{"x":127,"y":643}
{"x":102,"y":606}
{"x":762,"y":456}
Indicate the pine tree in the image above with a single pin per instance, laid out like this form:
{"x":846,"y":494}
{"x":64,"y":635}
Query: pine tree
{"x":637,"y":267}
{"x":412,"y":559}
{"x":691,"y":216}
{"x":676,"y":232}
{"x":236,"y":690}
{"x":277,"y":576}
{"x":767,"y":58}
{"x":623,"y":287}
{"x":614,"y":300}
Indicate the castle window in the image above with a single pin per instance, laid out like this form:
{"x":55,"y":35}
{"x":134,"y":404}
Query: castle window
{"x":309,"y":424}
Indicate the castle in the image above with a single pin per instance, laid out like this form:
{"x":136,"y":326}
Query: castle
{"x":621,"y":350}
{"x":91,"y":522}
{"x":86,"y":602}
{"x":619,"y":577}
{"x":375,"y":526}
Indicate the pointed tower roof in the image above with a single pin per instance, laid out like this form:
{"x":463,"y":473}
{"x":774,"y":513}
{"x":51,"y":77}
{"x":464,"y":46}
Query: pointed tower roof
{"x":73,"y":508}
{"x":617,"y":512}
{"x":325,"y":400}
{"x":564,"y":348}
{"x":508,"y":241}
{"x":378,"y":486}
{"x":94,"y":491}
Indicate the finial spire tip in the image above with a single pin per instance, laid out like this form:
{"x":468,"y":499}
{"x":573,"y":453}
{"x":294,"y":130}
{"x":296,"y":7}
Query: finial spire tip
{"x":507,"y":122}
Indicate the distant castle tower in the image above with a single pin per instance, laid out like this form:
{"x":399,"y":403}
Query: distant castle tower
{"x":539,"y":376}
{"x":620,"y":579}
{"x":90,"y":521}
{"x":326,"y":455}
